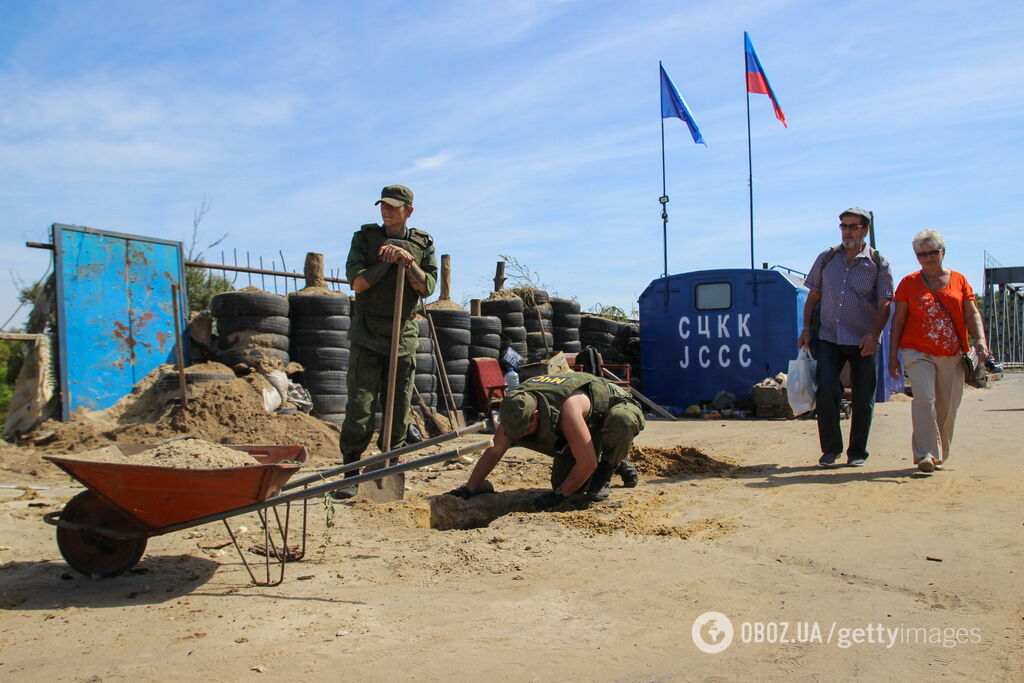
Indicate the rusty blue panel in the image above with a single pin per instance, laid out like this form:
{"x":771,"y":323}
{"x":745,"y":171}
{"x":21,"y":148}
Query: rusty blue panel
{"x":115,"y":319}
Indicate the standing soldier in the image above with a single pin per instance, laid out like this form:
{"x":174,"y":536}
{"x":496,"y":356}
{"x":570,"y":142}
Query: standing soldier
{"x":586,"y":423}
{"x":372,"y":271}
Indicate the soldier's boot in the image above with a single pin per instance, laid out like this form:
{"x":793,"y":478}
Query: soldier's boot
{"x":600,"y":483}
{"x":627,"y":471}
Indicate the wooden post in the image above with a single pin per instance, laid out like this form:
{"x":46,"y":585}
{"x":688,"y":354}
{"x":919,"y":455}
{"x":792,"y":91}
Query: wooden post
{"x":474,"y":307}
{"x":446,"y":276}
{"x":314,"y":270}
{"x":179,"y":352}
{"x":499,"y":276}
{"x":396,"y":331}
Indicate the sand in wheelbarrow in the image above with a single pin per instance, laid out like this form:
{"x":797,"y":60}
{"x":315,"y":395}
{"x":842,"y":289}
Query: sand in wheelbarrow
{"x":187,"y":454}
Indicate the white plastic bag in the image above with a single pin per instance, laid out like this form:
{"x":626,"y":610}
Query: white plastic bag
{"x":801,"y":385}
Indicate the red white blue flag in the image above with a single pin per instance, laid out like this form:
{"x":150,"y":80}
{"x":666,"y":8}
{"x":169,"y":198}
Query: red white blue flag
{"x":757,"y":82}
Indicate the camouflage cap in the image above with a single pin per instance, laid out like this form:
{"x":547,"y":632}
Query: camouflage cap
{"x":395,"y":195}
{"x":516,"y":412}
{"x":857,"y":211}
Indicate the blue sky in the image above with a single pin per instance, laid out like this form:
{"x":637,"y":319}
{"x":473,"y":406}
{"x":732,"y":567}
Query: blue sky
{"x":525,"y":128}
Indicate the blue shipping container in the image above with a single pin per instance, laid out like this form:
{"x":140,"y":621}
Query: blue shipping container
{"x":709,"y":331}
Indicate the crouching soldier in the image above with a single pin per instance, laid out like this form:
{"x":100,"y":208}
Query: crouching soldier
{"x":586,"y":423}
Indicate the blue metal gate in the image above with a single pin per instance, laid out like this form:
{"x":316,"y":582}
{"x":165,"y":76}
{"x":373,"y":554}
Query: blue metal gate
{"x":115,"y":312}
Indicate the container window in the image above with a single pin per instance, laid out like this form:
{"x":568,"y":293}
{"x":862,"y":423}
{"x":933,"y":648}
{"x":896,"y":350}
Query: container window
{"x":714,"y":296}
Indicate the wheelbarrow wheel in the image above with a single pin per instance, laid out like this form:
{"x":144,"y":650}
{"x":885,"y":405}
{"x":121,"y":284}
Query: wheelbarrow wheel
{"x":91,"y":553}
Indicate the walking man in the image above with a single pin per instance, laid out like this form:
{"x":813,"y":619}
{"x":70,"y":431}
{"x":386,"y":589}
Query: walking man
{"x":586,"y":423}
{"x":854,"y":286}
{"x":371,"y":269}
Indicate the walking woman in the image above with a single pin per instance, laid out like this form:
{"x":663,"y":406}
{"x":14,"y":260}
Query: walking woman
{"x":935,"y":310}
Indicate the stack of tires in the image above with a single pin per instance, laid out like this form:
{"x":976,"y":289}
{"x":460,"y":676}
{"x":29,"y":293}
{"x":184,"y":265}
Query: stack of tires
{"x":566,"y":322}
{"x":453,"y":336}
{"x":484,"y":336}
{"x":252,"y":329}
{"x":627,"y":345}
{"x":600,"y":333}
{"x":427,"y":382}
{"x":510,"y":313}
{"x":319,"y":341}
{"x":537,"y":315}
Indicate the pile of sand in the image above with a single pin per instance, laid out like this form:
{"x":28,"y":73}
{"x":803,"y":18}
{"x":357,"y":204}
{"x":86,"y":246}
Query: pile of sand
{"x":444,"y":305}
{"x":225,"y":412}
{"x":316,"y":290}
{"x":672,"y":462}
{"x":188,"y":454}
{"x":502,"y":294}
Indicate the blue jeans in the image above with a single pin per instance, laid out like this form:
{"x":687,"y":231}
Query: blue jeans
{"x":863,"y":377}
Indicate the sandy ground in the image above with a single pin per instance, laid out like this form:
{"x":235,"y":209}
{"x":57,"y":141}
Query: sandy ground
{"x":786,"y":551}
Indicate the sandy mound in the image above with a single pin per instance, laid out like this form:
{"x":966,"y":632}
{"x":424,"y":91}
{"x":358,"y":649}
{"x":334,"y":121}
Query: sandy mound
{"x":672,"y":462}
{"x":503,"y":294}
{"x":444,"y":305}
{"x":225,"y":412}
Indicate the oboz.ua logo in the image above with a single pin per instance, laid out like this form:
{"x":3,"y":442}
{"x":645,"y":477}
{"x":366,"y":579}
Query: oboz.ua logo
{"x":712,"y":632}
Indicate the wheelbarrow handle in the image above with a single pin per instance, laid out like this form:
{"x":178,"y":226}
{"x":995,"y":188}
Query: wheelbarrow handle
{"x":122,"y":534}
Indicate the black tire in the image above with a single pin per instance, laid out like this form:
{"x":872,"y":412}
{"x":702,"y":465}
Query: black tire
{"x":426,"y":364}
{"x":327,"y":404}
{"x":227,"y":304}
{"x":514,"y":334}
{"x":424,"y":327}
{"x":90,"y":553}
{"x":564,"y":306}
{"x":592,"y":323}
{"x":321,"y":322}
{"x":325,"y":381}
{"x":315,"y":305}
{"x":252,"y":356}
{"x":484,"y":324}
{"x":602,"y":339}
{"x":538,"y":339}
{"x":274,"y":324}
{"x":322,"y":358}
{"x":261,"y":340}
{"x":499,"y":307}
{"x":426,"y":345}
{"x":457,"y":367}
{"x":532,"y":325}
{"x":569,"y":320}
{"x":569,"y":346}
{"x":520,"y":347}
{"x":426,"y":383}
{"x":336,"y":419}
{"x":491,"y":341}
{"x":457,"y":383}
{"x":170,"y":382}
{"x":565,"y":334}
{"x":458,"y":399}
{"x":483,"y":352}
{"x":448,"y":337}
{"x":512,"y":319}
{"x":457,"y":352}
{"x":319,"y":338}
{"x":532,"y":297}
{"x":451,"y":319}
{"x":430,"y":399}
{"x":543,"y":309}
{"x":538,"y":354}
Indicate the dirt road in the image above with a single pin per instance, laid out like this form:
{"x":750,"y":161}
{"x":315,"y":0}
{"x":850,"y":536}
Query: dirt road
{"x":839,"y":559}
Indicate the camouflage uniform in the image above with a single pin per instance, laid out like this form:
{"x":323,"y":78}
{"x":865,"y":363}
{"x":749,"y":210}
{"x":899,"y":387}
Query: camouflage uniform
{"x":614,"y":421}
{"x":370,"y":337}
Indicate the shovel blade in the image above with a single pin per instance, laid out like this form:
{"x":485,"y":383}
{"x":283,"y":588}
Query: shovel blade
{"x":384,"y":490}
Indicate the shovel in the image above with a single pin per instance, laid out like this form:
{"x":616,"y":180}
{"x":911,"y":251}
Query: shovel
{"x":392,"y":487}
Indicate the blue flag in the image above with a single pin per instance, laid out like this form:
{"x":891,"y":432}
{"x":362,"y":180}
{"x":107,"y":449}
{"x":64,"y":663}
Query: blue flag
{"x":674,"y":107}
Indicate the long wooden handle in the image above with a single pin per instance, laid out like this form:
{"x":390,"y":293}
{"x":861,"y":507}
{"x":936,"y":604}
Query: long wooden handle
{"x":396,"y":332}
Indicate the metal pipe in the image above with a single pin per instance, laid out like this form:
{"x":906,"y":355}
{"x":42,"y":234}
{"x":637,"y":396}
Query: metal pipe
{"x":381,"y":457}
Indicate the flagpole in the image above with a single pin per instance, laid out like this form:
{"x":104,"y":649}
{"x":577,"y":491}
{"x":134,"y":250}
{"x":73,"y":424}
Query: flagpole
{"x":663,"y":200}
{"x":750,"y":182}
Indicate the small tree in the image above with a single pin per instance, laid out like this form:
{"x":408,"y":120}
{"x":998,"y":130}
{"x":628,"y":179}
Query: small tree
{"x":200,"y":283}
